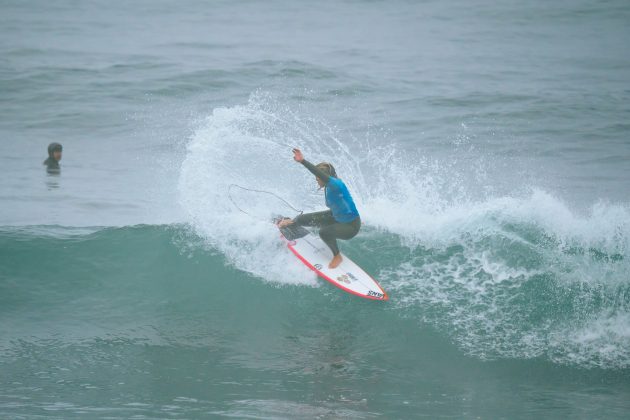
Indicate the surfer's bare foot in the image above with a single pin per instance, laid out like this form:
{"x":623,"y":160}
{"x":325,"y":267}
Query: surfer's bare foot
{"x":334,"y":263}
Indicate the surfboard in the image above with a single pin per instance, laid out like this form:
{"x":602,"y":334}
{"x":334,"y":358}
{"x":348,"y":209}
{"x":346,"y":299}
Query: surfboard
{"x":316,"y":255}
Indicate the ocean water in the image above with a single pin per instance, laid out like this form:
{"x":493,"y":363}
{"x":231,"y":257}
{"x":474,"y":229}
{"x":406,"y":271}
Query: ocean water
{"x":486,"y":145}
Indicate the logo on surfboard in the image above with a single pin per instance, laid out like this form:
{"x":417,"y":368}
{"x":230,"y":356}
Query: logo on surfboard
{"x":346,"y":278}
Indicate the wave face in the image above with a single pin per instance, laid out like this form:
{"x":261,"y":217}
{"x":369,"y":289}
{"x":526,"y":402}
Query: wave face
{"x":148,"y":320}
{"x":516,"y":277}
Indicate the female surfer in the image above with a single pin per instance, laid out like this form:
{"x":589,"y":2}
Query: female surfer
{"x":342,"y":221}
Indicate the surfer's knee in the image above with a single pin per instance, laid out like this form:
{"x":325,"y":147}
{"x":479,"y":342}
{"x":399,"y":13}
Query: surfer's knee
{"x":326,"y":233}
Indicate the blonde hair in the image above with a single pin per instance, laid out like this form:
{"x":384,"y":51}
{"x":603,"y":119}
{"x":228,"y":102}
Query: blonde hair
{"x":327,"y":168}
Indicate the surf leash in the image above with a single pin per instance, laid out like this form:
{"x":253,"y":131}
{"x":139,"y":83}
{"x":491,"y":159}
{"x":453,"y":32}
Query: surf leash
{"x":257,"y":191}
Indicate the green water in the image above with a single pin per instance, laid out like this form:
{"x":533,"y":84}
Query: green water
{"x":169,"y":332}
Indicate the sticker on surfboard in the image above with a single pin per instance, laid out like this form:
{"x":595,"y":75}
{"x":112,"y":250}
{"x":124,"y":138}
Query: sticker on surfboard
{"x":316,"y":255}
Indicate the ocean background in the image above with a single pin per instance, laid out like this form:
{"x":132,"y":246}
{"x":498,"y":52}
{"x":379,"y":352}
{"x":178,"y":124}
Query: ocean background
{"x":486,"y":144}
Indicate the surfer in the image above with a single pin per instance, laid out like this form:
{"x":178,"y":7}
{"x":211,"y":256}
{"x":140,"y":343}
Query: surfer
{"x":54,"y":156}
{"x":342,"y":221}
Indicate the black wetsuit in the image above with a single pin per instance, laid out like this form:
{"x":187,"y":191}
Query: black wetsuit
{"x":52,"y":165}
{"x":331,"y":228}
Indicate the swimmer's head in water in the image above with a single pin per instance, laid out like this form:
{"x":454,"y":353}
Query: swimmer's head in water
{"x":54,"y":151}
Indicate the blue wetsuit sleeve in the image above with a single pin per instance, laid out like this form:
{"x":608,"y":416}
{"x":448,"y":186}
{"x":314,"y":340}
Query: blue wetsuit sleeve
{"x":316,"y":171}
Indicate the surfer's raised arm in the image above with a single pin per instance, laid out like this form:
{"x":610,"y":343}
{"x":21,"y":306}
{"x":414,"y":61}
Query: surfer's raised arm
{"x":315,"y":170}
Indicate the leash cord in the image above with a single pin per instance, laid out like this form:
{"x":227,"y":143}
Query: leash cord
{"x":258,"y":191}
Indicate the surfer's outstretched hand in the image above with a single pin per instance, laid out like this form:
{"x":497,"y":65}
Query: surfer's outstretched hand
{"x":285,"y":222}
{"x":297,"y":155}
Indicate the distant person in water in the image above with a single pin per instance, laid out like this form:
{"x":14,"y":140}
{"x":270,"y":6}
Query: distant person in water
{"x":54,"y":156}
{"x":342,"y":221}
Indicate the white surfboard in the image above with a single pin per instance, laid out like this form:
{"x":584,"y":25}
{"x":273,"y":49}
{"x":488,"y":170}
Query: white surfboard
{"x":316,"y":255}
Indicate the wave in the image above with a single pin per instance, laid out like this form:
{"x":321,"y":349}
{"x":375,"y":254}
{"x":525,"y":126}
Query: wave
{"x":511,"y":276}
{"x":520,"y":276}
{"x":516,"y":293}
